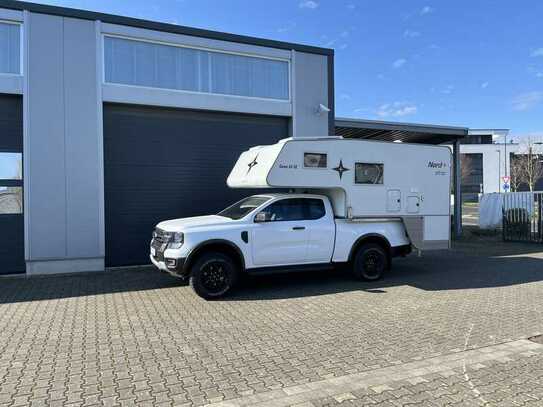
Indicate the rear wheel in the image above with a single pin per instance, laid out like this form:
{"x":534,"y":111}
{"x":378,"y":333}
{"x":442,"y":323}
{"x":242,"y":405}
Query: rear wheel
{"x":370,"y":262}
{"x":213,"y":275}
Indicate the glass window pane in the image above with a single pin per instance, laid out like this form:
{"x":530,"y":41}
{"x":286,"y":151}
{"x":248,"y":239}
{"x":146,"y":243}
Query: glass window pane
{"x":132,"y":62}
{"x":243,"y":207}
{"x":314,"y":160}
{"x":286,"y":210}
{"x":11,"y":200}
{"x":366,"y":173}
{"x":314,"y":208}
{"x":10,"y":48}
{"x":11,"y":166}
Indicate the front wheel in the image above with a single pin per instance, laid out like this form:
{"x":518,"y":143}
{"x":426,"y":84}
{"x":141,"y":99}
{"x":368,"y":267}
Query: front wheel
{"x":370,"y":262}
{"x":213,"y":275}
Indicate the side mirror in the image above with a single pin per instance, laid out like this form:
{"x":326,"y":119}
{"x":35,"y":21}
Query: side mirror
{"x":262,"y":217}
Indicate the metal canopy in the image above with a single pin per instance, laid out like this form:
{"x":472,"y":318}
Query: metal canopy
{"x":412,"y":133}
{"x":393,"y":131}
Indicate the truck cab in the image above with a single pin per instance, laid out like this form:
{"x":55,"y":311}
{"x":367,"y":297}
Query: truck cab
{"x":273,"y":232}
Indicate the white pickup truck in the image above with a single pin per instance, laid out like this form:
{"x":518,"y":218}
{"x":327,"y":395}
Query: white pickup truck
{"x":264,"y":233}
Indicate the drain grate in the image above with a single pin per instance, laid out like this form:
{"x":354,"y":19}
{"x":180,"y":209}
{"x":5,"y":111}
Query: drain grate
{"x":537,"y":339}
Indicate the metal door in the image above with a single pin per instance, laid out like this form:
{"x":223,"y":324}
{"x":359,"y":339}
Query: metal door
{"x":413,"y":204}
{"x":164,"y":163}
{"x":394,"y":200}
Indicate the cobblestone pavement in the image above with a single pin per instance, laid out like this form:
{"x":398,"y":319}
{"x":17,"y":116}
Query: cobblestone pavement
{"x":138,"y":337}
{"x":468,"y":378}
{"x":514,"y":382}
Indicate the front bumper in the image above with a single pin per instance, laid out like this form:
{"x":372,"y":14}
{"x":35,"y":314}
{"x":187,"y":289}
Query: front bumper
{"x":175,"y":267}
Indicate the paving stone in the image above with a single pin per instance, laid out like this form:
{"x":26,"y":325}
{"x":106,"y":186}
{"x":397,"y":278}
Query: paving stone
{"x":140,"y":337}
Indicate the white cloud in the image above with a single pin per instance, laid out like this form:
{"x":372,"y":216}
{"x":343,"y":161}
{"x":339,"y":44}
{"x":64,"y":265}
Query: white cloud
{"x":351,"y":6}
{"x":537,"y":52}
{"x":308,"y":4}
{"x":484,"y":85}
{"x":426,"y":10}
{"x":527,"y":101}
{"x":345,"y":96}
{"x":396,"y":109}
{"x":399,"y":63}
{"x":411,"y":34}
{"x":343,"y":46}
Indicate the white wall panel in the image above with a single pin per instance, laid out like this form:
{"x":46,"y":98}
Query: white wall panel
{"x":62,"y":149}
{"x":82,"y":149}
{"x":45,"y":142}
{"x":171,"y":98}
{"x":310,"y":88}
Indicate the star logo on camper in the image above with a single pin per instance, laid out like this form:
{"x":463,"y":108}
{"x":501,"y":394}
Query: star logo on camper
{"x":252,"y":164}
{"x":341,"y":169}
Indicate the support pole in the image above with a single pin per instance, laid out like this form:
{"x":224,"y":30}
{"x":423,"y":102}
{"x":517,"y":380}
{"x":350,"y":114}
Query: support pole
{"x":457,"y":191}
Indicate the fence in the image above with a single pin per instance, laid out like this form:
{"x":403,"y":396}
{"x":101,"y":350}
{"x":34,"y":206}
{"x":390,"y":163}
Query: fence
{"x":522,"y":217}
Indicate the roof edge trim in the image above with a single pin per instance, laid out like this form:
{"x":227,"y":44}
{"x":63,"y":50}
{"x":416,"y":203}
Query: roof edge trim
{"x":158,"y":26}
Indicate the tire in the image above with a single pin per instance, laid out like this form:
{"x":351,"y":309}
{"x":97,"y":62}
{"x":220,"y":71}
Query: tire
{"x":213,"y":275}
{"x":370,"y":262}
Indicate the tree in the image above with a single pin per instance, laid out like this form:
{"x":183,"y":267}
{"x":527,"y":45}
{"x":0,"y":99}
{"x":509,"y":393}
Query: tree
{"x":515,"y":172}
{"x":529,"y":166}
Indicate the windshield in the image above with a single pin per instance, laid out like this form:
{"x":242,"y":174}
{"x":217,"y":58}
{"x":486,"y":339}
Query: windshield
{"x":243,"y":207}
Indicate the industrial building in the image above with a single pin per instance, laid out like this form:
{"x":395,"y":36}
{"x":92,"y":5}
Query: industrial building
{"x":110,"y":124}
{"x":487,"y":156}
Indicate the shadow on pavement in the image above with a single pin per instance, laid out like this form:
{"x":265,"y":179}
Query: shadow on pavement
{"x":430,"y":273}
{"x":471,"y":265}
{"x":22,"y":289}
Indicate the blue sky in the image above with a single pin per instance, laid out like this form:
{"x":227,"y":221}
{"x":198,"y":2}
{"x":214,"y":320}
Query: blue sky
{"x":462,"y":62}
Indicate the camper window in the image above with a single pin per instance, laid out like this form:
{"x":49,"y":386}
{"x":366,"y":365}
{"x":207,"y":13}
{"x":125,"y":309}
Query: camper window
{"x":368,"y":173}
{"x":315,"y":160}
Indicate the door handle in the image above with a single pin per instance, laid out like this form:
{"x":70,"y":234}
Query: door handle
{"x":298,"y":228}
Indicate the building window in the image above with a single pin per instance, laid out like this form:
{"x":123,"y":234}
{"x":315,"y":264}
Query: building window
{"x":471,"y":174}
{"x":11,"y":166}
{"x":10,"y":48}
{"x":11,"y":176}
{"x":315,"y":160}
{"x":368,"y":173}
{"x":140,"y":63}
{"x":11,"y":200}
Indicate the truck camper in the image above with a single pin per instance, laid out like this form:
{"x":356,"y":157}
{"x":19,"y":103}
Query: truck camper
{"x":346,"y":201}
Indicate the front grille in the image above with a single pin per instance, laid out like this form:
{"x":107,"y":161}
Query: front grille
{"x":160,"y":242}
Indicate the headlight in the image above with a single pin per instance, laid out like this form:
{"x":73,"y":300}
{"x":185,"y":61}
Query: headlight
{"x":176,"y":240}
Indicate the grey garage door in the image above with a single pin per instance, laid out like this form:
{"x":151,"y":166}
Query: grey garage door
{"x":167,"y":163}
{"x":11,"y":185}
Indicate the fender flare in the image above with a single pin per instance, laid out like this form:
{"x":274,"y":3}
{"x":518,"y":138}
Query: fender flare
{"x":370,"y":236}
{"x":202,"y":245}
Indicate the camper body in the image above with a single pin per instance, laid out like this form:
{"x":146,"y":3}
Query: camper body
{"x":363,"y":179}
{"x":350,"y":202}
